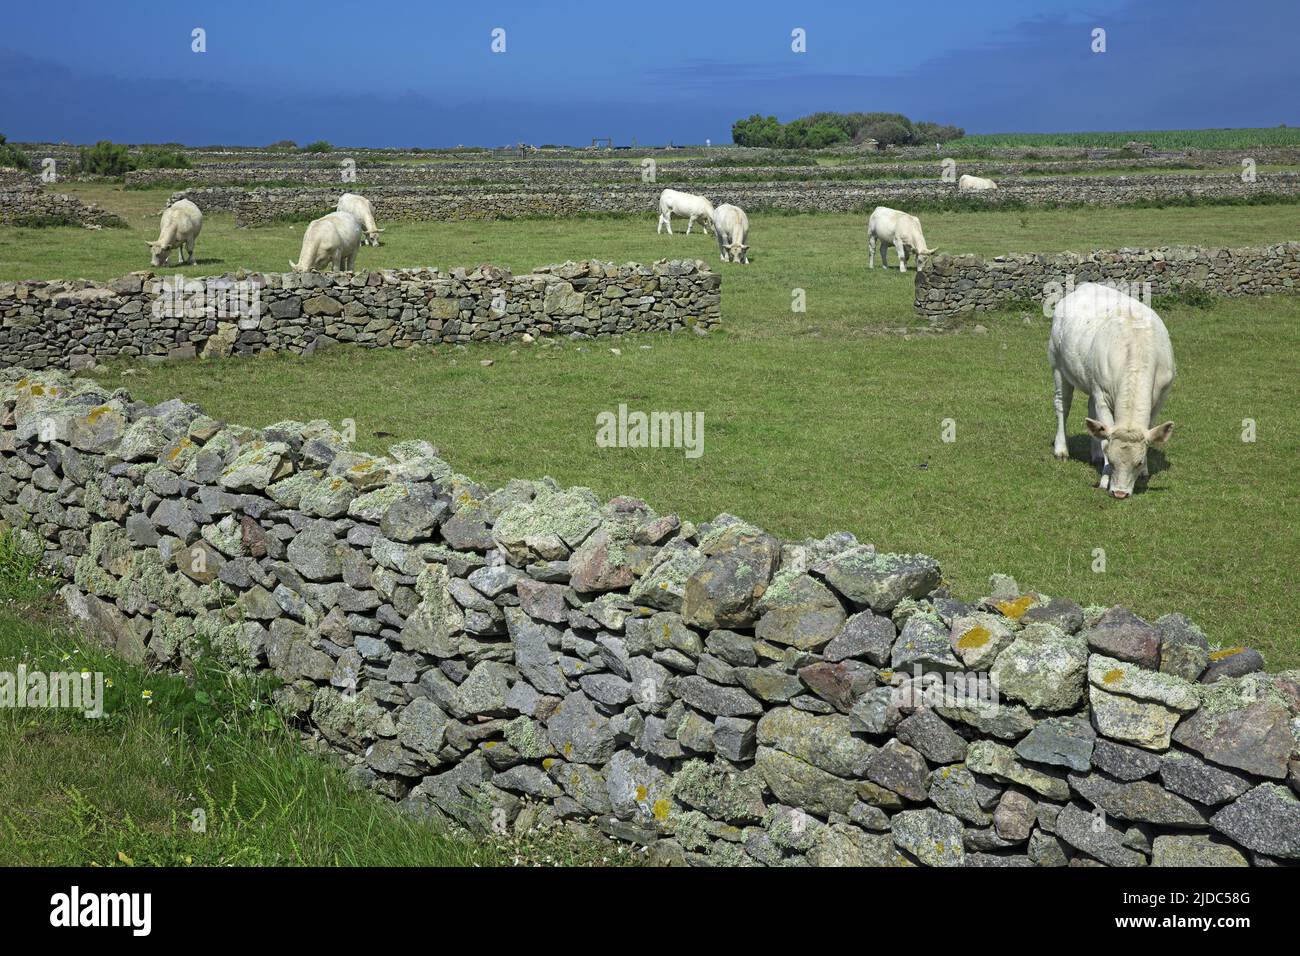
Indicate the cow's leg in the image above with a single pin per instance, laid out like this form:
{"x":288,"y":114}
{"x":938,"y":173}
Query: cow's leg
{"x":660,"y":228}
{"x":689,"y":222}
{"x":902,"y":255}
{"x":884,"y":254}
{"x":1095,"y":455}
{"x":1102,"y":413}
{"x":189,"y":248}
{"x":871,"y":255}
{"x":1064,"y":396}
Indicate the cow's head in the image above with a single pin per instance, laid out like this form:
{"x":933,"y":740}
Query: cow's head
{"x":372,"y":237}
{"x":738,"y":251}
{"x":1126,"y":452}
{"x":923,"y":256}
{"x":159,"y":254}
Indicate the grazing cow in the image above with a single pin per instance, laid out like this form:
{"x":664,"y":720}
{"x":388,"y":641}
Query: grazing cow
{"x":891,"y":227}
{"x":330,"y":242}
{"x":1118,"y":351}
{"x":731,"y":226}
{"x":181,"y":223}
{"x":683,"y":204}
{"x":975,"y":184}
{"x":362,"y":211}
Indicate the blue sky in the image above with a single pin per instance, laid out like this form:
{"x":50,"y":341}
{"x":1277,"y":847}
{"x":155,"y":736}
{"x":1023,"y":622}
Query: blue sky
{"x":423,"y":73}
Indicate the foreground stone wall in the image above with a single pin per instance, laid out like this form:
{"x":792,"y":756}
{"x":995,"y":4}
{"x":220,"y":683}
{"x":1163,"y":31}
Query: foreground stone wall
{"x":74,"y":323}
{"x":259,"y":206}
{"x":532,"y":655}
{"x":949,"y":285}
{"x":28,"y":204}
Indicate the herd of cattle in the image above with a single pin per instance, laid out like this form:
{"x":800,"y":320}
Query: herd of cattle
{"x":1103,"y":342}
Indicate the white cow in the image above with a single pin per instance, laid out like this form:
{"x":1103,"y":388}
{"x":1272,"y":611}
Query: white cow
{"x":330,"y":242}
{"x":364,"y":213}
{"x":731,"y":226}
{"x":1117,"y":350}
{"x":683,"y":204}
{"x":891,"y":227}
{"x":975,"y":184}
{"x":181,"y":223}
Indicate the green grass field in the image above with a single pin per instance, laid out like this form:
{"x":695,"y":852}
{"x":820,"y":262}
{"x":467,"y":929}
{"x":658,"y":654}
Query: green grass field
{"x":1242,"y":138}
{"x":828,"y":419}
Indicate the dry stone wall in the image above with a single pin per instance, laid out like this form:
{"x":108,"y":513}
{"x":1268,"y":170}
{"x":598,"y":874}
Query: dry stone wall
{"x":28,"y":204}
{"x":578,"y":174}
{"x":253,"y":207}
{"x":72,"y":324}
{"x":534,"y":656}
{"x":949,"y":285}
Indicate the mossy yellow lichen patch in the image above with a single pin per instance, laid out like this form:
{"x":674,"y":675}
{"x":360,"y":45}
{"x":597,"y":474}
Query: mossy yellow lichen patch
{"x":1226,"y":652}
{"x":22,"y":383}
{"x":641,"y":793}
{"x":977,"y":636}
{"x":98,"y":412}
{"x":660,"y":810}
{"x":363,"y":466}
{"x":37,"y":390}
{"x":180,"y":447}
{"x":547,"y":763}
{"x":489,"y":744}
{"x":568,"y":748}
{"x":1016,"y":609}
{"x":1113,"y":675}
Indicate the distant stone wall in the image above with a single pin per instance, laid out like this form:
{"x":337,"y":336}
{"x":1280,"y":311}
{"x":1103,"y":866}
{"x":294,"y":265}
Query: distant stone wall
{"x":75,"y":323}
{"x":949,"y":285}
{"x":532,"y":656}
{"x":27,"y":204}
{"x":539,"y":172}
{"x":415,"y":203}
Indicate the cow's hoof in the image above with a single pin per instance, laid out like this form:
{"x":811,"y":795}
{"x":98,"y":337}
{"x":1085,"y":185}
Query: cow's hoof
{"x":1062,"y":455}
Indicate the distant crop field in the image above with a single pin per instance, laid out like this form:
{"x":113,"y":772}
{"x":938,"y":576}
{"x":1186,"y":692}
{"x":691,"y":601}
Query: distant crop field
{"x":1160,"y":138}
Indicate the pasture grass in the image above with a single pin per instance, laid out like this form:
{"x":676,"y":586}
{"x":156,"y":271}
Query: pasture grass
{"x":197,"y":771}
{"x":832,"y":418}
{"x":1229,"y":138}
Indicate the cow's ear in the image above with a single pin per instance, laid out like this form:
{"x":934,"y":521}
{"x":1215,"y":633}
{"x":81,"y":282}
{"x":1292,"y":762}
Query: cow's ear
{"x":1098,"y":429}
{"x":1160,"y":434}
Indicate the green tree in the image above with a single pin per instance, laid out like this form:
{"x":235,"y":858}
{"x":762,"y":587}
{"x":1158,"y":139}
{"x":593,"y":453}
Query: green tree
{"x":105,"y":158}
{"x":11,"y":155}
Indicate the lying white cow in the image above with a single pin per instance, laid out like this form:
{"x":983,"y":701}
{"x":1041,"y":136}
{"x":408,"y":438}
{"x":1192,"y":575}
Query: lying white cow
{"x":361,"y":210}
{"x":683,"y":204}
{"x":889,"y":227}
{"x":1118,"y":351}
{"x":181,"y":223}
{"x":731,"y":226}
{"x":330,"y":242}
{"x":975,"y":184}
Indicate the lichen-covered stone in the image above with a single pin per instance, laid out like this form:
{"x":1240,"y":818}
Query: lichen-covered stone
{"x":1265,"y":819}
{"x":1044,"y":668}
{"x":879,"y":581}
{"x":932,"y":837}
